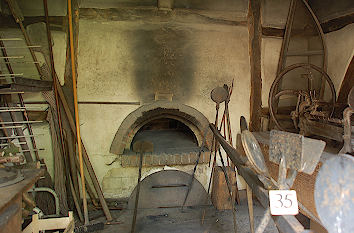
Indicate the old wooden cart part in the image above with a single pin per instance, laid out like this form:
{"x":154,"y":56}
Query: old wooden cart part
{"x":140,"y":147}
{"x":334,"y":194}
{"x":287,"y":224}
{"x":303,"y":25}
{"x":309,"y":105}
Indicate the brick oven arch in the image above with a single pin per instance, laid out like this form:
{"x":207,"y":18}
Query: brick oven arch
{"x":189,"y":116}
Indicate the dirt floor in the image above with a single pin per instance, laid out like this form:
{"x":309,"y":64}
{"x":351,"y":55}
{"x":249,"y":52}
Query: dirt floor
{"x":203,"y":219}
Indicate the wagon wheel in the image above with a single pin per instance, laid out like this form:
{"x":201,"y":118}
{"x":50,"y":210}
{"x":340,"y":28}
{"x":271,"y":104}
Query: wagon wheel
{"x":305,"y":95}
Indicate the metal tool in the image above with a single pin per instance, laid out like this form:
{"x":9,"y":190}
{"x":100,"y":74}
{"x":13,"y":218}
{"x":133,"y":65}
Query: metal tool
{"x":334,"y":194}
{"x":194,"y":170}
{"x":218,"y":95}
{"x":140,"y":147}
{"x":287,"y":150}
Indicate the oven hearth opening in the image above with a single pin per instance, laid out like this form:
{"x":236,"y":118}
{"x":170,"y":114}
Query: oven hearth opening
{"x":169,"y":136}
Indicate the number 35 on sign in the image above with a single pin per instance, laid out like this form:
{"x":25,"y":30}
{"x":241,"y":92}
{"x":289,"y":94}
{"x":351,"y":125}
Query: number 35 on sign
{"x":283,"y":202}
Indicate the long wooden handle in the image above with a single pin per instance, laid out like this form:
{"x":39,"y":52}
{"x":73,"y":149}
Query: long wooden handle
{"x":76,"y":107}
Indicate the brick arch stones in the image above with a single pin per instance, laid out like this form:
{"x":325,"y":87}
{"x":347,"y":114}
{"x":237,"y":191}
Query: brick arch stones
{"x":191,"y":117}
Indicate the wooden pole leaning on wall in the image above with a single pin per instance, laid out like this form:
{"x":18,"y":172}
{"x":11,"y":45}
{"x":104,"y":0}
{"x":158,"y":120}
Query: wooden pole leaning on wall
{"x":86,"y":158}
{"x":76,"y":107}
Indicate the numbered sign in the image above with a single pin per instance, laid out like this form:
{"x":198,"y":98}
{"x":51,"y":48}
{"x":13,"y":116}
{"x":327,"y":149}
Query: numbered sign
{"x":283,"y":202}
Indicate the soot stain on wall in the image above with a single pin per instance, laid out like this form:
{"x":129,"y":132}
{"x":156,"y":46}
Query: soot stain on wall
{"x":164,"y":63}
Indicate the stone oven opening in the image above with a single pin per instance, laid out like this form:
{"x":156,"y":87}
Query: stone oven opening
{"x":177,"y":131}
{"x":168,"y":136}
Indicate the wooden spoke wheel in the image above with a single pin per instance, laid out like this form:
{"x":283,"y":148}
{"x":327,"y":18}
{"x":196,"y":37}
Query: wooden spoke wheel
{"x":302,"y":95}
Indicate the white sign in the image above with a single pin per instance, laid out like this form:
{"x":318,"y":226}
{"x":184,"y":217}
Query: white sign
{"x":283,"y":202}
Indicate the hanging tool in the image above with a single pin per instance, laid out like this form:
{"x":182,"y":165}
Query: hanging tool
{"x":140,"y":147}
{"x":227,"y":116}
{"x":218,"y":95}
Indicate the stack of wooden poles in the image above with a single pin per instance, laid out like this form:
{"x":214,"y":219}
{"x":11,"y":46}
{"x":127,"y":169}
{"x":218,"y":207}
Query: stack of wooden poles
{"x":70,"y":162}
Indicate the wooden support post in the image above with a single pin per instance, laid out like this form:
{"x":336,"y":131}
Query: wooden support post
{"x":255,"y":33}
{"x":347,"y":83}
{"x":250,"y":207}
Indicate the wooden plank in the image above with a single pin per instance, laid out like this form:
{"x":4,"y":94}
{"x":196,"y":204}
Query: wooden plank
{"x":10,"y":193}
{"x":250,"y":207}
{"x":255,"y":33}
{"x":11,"y":217}
{"x":305,"y":53}
{"x":220,"y":195}
{"x":321,"y":129}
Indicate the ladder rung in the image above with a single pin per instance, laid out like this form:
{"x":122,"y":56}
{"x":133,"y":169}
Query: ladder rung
{"x":24,"y":136}
{"x":20,"y":122}
{"x":304,"y":53}
{"x":11,"y":127}
{"x":13,"y":110}
{"x":6,"y":75}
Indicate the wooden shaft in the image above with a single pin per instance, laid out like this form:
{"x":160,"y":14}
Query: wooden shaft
{"x":230,"y":141}
{"x":250,"y":207}
{"x":88,"y":164}
{"x":49,"y":37}
{"x":229,"y":186}
{"x":215,"y":146}
{"x":88,"y":187}
{"x":137,"y":193}
{"x":71,"y":38}
{"x":75,"y":198}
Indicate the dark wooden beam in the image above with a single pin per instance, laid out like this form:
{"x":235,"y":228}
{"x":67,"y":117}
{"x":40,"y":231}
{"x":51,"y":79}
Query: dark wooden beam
{"x":337,"y":23}
{"x":255,"y":38}
{"x":56,"y":22}
{"x":272,"y":32}
{"x":347,"y":83}
{"x":327,"y":27}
